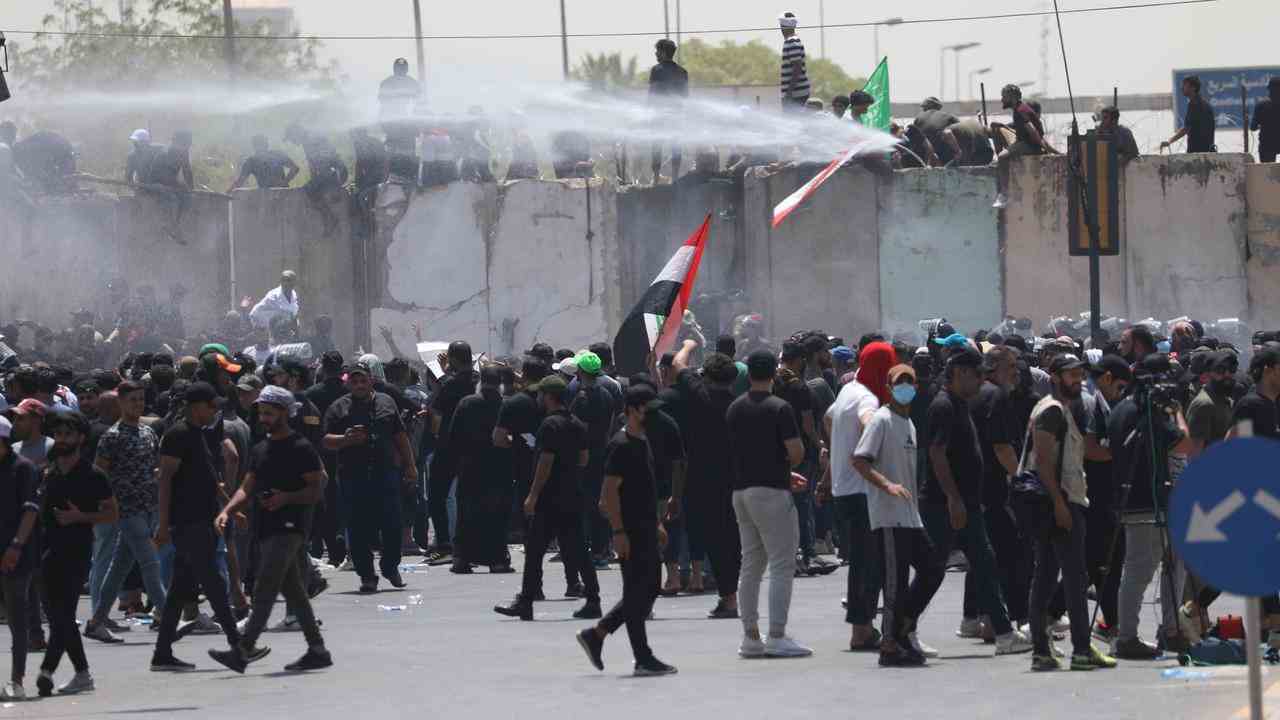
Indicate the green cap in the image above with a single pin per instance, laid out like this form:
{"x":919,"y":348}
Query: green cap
{"x":215,"y":348}
{"x":589,"y":363}
{"x":552,"y":383}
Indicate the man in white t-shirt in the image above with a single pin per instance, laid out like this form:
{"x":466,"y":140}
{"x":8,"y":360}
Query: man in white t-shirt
{"x":886,"y":456}
{"x":847,"y":416}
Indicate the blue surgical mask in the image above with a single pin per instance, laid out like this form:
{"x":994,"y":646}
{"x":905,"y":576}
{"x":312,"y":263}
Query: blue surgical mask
{"x":1163,"y":346}
{"x":904,"y":394}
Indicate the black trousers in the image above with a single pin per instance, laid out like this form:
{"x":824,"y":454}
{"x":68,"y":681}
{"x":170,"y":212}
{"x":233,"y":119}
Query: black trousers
{"x":1014,"y":563}
{"x":713,"y":506}
{"x":566,"y":526}
{"x":1060,"y":551}
{"x":641,"y":576}
{"x":484,"y":502}
{"x":195,"y":568}
{"x":865,"y":574}
{"x":905,"y":602}
{"x":64,"y":576}
{"x":328,"y":528}
{"x":15,"y":607}
{"x":1102,"y":562}
{"x":439,"y":480}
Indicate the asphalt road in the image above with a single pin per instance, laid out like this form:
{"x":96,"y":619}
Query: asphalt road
{"x":451,"y":656}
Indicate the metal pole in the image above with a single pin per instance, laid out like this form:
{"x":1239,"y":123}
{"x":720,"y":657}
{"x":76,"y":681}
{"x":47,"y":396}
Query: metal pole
{"x":1244,"y":116}
{"x":822,"y":29}
{"x":957,"y":86}
{"x":564,"y":41}
{"x":417,"y":27}
{"x":666,"y":19}
{"x":229,"y":44}
{"x":982,"y":87}
{"x":1115,"y":97}
{"x":1252,"y":641}
{"x":875,"y":46}
{"x":679,"y":35}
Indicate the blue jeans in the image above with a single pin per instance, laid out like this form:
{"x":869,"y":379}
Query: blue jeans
{"x":104,"y":545}
{"x":133,"y":544}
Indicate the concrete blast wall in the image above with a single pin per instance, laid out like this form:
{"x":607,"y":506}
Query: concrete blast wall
{"x":279,"y":229}
{"x":939,"y":249}
{"x":62,"y":256}
{"x":502,"y":267}
{"x":506,"y":266}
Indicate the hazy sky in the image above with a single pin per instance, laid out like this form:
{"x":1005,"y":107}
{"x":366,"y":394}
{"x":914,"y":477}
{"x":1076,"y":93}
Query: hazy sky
{"x":1133,"y":49}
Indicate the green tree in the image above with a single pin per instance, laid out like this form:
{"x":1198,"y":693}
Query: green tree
{"x":98,"y":57}
{"x":96,"y":86}
{"x":607,"y":71}
{"x":755,"y":63}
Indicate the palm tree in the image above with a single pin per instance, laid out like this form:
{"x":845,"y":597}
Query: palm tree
{"x":606,"y":71}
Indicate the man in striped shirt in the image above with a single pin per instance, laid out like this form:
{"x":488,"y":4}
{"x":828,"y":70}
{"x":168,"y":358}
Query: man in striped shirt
{"x":795,"y":80}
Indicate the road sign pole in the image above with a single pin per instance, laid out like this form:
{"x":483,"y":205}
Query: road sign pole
{"x":1253,"y":641}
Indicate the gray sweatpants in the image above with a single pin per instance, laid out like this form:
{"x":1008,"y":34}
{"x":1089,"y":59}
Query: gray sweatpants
{"x":770,"y":533}
{"x":1143,"y":553}
{"x":279,"y":573}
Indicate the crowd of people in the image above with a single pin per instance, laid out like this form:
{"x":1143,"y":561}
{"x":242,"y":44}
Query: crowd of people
{"x":144,"y":467}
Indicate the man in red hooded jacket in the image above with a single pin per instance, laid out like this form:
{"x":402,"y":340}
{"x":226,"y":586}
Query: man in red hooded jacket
{"x":845,"y":421}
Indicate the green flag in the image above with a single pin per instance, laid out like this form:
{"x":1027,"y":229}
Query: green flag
{"x":877,"y":87}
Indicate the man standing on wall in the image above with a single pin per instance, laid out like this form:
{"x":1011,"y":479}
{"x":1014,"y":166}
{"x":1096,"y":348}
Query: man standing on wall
{"x":668,"y":84}
{"x":795,"y":77}
{"x":1199,"y":124}
{"x":1266,"y":122}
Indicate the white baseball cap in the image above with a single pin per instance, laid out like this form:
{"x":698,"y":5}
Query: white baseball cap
{"x":140,"y":135}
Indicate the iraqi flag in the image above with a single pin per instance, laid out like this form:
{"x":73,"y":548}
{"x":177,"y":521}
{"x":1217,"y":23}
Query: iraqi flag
{"x":798,"y":197}
{"x":654,"y":321}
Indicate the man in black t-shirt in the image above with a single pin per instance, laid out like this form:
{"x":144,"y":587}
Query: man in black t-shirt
{"x":668,"y":86}
{"x":190,"y":481}
{"x":791,"y":387}
{"x":518,"y":421}
{"x":459,"y":382}
{"x":950,"y":499}
{"x":1259,"y":406}
{"x":764,"y":445}
{"x":328,"y":520}
{"x":484,"y":479}
{"x":1266,"y":122}
{"x":269,"y":168}
{"x":287,"y":479}
{"x":931,"y":121}
{"x":375,"y":460}
{"x":554,"y":504}
{"x":74,"y":497}
{"x":1199,"y":124}
{"x":630,"y":501}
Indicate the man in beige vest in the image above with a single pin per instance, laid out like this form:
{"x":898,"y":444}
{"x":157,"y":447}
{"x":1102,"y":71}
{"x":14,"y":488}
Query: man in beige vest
{"x":1055,"y":449}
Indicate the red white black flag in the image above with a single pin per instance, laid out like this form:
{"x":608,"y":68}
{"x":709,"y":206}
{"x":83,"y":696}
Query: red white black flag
{"x":654,"y":322}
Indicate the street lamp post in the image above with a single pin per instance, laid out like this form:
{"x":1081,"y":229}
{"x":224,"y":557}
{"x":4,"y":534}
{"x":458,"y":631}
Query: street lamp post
{"x":875,"y":35}
{"x":564,"y":41}
{"x":957,"y":49}
{"x":973,"y":74}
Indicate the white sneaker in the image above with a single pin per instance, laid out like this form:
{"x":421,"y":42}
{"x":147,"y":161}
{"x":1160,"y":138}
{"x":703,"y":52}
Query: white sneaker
{"x":1013,"y":643}
{"x":12,"y":691}
{"x":751,"y":647}
{"x":288,"y":624}
{"x":80,"y":682}
{"x":1061,"y":626}
{"x":925,"y":650}
{"x":1053,"y":646}
{"x":785,"y":647}
{"x":347,"y":566}
{"x":970,"y":628}
{"x":204,"y":625}
{"x":1189,"y":623}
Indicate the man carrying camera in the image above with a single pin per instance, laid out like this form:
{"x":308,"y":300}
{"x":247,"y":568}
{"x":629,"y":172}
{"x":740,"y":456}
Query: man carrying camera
{"x":1147,"y":423}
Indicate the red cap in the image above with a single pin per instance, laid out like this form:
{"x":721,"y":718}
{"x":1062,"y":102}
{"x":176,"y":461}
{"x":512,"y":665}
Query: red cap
{"x":29,"y":406}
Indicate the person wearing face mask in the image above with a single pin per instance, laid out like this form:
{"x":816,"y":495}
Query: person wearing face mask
{"x":886,"y":457}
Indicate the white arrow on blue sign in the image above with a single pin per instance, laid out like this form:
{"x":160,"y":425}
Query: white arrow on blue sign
{"x":1224,"y":516}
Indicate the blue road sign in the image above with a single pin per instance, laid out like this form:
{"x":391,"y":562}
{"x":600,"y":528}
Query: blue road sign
{"x":1221,"y":88}
{"x":1224,"y":516}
